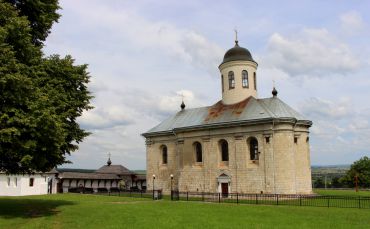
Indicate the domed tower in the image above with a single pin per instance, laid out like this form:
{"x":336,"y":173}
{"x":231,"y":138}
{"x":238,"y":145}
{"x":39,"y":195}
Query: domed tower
{"x":238,"y":75}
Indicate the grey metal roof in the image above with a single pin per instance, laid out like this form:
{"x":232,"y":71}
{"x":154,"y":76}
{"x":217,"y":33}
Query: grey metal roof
{"x":114,"y":169}
{"x":251,"y":109}
{"x":237,"y":53}
{"x":100,"y":176}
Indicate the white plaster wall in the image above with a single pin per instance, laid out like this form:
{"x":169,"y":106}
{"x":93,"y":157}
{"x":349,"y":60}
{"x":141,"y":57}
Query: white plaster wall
{"x":40,"y":185}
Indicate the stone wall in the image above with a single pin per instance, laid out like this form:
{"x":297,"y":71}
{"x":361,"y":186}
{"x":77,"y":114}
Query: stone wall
{"x":283,"y":166}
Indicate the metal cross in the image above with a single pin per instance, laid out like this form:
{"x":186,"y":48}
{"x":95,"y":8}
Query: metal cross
{"x":236,"y":34}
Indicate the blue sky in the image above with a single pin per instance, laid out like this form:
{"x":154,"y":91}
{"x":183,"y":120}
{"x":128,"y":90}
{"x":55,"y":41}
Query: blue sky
{"x":143,"y":55}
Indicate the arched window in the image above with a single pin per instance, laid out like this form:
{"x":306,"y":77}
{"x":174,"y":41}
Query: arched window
{"x":253,"y":148}
{"x":164,"y":154}
{"x":222,"y":82}
{"x":231,"y":80}
{"x":245,"y":79}
{"x":224,"y":147}
{"x":198,"y":152}
{"x":254,"y":81}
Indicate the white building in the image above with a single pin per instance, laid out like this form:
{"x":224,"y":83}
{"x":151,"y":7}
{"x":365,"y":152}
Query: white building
{"x":22,"y":185}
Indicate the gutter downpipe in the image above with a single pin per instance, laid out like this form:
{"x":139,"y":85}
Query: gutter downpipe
{"x":294,"y":155}
{"x":273,"y":154}
{"x":178,"y":160}
{"x":236,"y":167}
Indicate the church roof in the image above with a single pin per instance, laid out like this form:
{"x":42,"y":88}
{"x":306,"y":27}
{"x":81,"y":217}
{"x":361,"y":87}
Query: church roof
{"x":79,"y":175}
{"x":237,"y":53}
{"x":114,"y":169}
{"x":250,"y":110}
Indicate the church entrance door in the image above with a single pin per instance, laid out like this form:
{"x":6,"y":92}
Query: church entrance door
{"x":225,"y":189}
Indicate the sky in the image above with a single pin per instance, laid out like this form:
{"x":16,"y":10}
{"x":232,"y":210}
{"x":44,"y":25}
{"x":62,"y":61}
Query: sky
{"x":143,"y":55}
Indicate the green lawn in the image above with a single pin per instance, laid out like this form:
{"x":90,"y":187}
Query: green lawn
{"x":89,"y":211}
{"x":342,"y":192}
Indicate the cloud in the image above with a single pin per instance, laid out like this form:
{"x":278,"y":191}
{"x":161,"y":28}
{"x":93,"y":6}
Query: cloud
{"x":150,"y":36}
{"x":351,"y":22}
{"x":313,"y":52}
{"x":171,"y":103}
{"x":320,"y":108}
{"x":107,"y":117}
{"x":339,"y":130}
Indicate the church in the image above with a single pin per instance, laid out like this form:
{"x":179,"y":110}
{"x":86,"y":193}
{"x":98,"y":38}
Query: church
{"x":240,"y":144}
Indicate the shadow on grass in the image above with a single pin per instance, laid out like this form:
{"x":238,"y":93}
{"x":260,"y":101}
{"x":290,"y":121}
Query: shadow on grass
{"x":30,"y":208}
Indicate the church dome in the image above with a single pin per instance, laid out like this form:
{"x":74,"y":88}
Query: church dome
{"x":237,"y":53}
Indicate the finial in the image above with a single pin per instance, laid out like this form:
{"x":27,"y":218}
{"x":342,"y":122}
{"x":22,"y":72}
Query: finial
{"x":182,"y":103}
{"x":236,"y":37}
{"x":109,"y":162}
{"x":274,"y":91}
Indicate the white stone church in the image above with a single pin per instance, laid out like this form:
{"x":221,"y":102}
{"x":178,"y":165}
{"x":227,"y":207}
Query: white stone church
{"x":242,"y":143}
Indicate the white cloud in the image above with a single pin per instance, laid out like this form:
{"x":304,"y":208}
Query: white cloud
{"x":126,"y":25}
{"x":107,"y":117}
{"x":313,"y":52}
{"x":320,"y":108}
{"x":351,"y":22}
{"x":339,"y":130}
{"x":171,"y":103}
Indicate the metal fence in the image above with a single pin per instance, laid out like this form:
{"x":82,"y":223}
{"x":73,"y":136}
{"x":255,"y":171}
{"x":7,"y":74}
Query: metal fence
{"x":155,"y":195}
{"x":276,"y":199}
{"x":241,"y":198}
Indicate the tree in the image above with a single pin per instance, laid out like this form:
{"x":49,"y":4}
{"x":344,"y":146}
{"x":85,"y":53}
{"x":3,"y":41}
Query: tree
{"x":361,"y":169}
{"x":40,"y":97}
{"x":41,"y":15}
{"x":319,"y":183}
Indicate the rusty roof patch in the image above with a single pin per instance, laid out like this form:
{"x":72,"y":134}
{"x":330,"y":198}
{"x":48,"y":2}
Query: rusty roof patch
{"x":219,"y":109}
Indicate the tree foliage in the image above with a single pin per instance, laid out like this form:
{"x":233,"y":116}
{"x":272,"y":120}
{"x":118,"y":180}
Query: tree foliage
{"x":361,"y":169}
{"x":41,"y":15}
{"x":40,"y":97}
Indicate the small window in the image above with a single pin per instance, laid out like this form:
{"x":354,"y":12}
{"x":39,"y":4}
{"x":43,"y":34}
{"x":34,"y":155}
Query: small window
{"x":222,"y":82}
{"x":164,"y":154}
{"x":267,"y":139}
{"x":31,"y":181}
{"x":8,"y":181}
{"x":254,"y":81}
{"x":198,"y":152}
{"x":224,"y":146}
{"x":15,"y":182}
{"x":253,"y":148}
{"x":307,"y":139}
{"x":295,"y":140}
{"x":231,"y":80}
{"x":245,"y":79}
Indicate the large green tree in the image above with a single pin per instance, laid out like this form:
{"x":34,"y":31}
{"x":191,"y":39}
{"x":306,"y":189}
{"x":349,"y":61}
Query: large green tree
{"x":361,"y":169}
{"x":40,"y":97}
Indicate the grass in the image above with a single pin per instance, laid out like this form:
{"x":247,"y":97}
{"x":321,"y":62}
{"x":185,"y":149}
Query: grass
{"x":89,"y":211}
{"x":342,"y":192}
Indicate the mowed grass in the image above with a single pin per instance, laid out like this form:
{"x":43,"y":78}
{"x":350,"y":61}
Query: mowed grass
{"x":342,"y":192}
{"x":89,"y":211}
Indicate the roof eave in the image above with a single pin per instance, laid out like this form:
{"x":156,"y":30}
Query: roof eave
{"x":307,"y":123}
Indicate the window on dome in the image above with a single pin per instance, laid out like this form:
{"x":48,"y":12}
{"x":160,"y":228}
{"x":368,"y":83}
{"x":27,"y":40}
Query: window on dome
{"x":245,"y":79}
{"x":231,"y":80}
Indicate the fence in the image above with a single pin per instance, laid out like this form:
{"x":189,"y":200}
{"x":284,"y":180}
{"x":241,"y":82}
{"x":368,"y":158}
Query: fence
{"x":276,"y":199}
{"x":241,"y":198}
{"x":156,"y":194}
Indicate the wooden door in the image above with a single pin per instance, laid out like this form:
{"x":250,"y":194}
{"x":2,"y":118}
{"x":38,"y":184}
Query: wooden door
{"x":225,"y":189}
